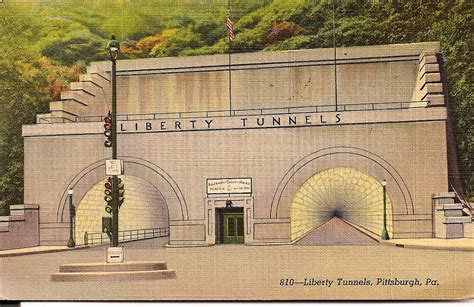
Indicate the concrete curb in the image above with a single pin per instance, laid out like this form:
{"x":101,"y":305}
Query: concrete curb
{"x":425,"y":246}
{"x":101,"y":271}
{"x":167,"y":245}
{"x":14,"y":253}
{"x":113,"y":276}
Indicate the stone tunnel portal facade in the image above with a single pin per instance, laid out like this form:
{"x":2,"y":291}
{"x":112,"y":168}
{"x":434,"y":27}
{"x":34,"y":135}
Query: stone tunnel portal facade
{"x":268,"y":170}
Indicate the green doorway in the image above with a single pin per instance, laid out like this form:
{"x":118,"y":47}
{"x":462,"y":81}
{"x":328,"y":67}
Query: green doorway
{"x":230,"y":225}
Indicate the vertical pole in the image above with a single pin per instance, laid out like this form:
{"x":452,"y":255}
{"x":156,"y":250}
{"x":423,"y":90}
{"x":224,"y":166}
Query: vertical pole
{"x":114,"y":109}
{"x":385,"y":235}
{"x":384,"y":207}
{"x":71,"y":242}
{"x":230,"y":81}
{"x":334,"y":45}
{"x":229,"y":39}
{"x":115,"y":197}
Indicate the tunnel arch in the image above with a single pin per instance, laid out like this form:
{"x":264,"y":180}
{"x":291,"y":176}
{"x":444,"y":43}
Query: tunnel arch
{"x":85,"y":179}
{"x":341,"y":192}
{"x":340,"y":156}
{"x":144,"y":208}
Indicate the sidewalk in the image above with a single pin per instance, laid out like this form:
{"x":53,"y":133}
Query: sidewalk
{"x":464,"y":244}
{"x":36,"y":250}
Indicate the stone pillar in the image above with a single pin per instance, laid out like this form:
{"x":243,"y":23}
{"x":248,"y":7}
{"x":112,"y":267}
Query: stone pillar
{"x":448,"y":217}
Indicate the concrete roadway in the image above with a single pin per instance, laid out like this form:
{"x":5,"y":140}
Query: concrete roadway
{"x":336,"y":232}
{"x":250,"y":272}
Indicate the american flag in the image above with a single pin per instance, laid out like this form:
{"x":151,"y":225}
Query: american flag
{"x":230,"y":25}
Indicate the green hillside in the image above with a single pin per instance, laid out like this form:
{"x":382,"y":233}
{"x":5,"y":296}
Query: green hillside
{"x":45,"y":44}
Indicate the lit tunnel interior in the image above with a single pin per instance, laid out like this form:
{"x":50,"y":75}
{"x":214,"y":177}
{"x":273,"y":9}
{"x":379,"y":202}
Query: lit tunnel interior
{"x":340,"y":192}
{"x":144,"y":208}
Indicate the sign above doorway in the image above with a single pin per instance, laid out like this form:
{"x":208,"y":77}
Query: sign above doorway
{"x":229,"y":185}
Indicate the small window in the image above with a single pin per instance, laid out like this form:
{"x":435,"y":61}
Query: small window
{"x":240,"y":227}
{"x":231,"y":227}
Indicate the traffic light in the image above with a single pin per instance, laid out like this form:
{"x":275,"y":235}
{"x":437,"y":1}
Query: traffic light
{"x":108,"y":130}
{"x":108,"y":195}
{"x":106,"y":224}
{"x":121,"y":192}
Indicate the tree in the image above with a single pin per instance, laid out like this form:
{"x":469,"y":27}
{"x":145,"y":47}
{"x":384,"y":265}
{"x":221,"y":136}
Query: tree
{"x":183,"y":40}
{"x":454,"y":32}
{"x":73,"y":46}
{"x":284,"y":30}
{"x":22,"y":96}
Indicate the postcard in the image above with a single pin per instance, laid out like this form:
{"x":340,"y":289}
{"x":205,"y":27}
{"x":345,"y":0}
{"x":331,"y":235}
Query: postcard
{"x":236,"y":150}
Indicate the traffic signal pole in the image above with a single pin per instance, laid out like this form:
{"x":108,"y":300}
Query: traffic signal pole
{"x":115,"y":192}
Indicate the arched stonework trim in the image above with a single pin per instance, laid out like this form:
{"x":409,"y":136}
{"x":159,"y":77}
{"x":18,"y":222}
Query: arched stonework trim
{"x":345,"y":150}
{"x":127,"y":160}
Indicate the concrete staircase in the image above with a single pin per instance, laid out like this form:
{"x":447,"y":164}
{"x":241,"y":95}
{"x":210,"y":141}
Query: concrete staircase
{"x":87,"y":97}
{"x":451,"y":218}
{"x":113,"y":271}
{"x":468,"y":209}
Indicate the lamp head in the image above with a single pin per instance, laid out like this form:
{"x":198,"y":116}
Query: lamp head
{"x":113,"y":48}
{"x":70,"y":191}
{"x":384,"y":183}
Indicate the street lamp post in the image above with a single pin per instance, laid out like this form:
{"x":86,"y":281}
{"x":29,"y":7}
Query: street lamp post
{"x":72,"y":214}
{"x":113,"y":49}
{"x":385,"y":235}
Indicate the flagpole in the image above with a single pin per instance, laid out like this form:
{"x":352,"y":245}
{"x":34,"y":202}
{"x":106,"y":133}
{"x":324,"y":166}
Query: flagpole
{"x":230,"y":79}
{"x":230,"y":35}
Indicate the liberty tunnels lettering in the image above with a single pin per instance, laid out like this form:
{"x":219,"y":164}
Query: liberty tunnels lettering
{"x":290,"y":120}
{"x":164,"y":125}
{"x":264,"y":121}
